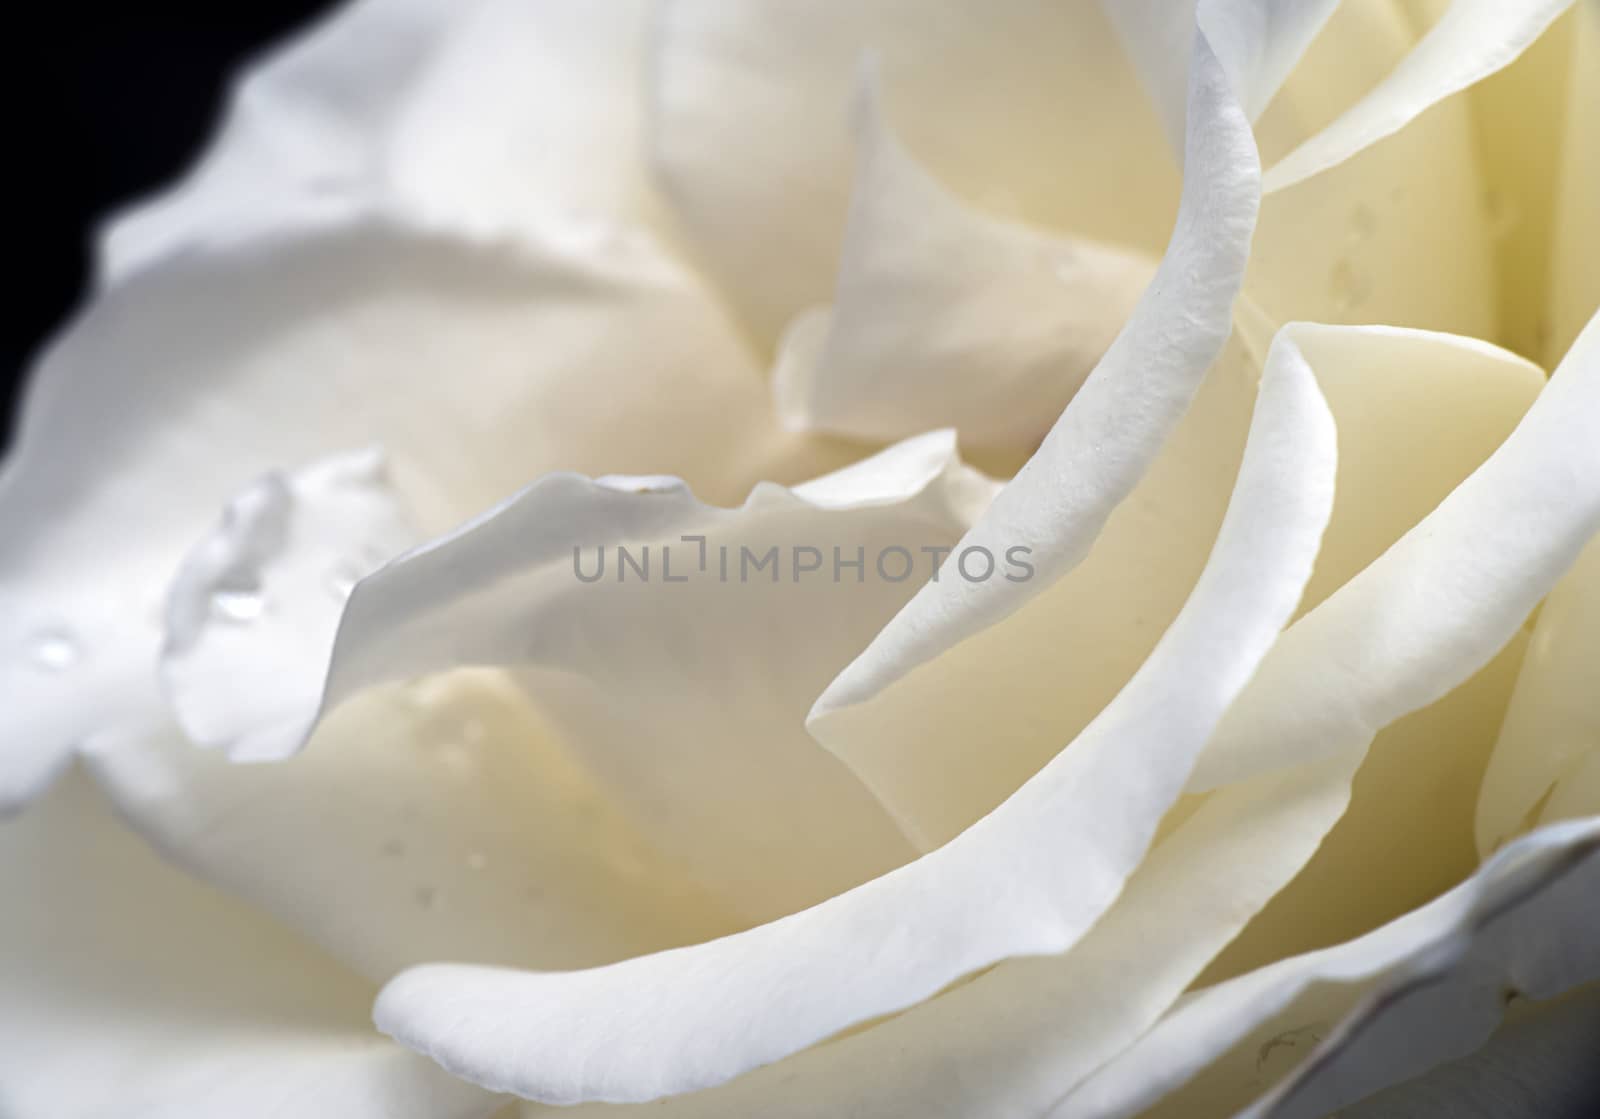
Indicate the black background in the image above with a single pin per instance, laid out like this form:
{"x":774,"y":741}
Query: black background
{"x":105,"y":102}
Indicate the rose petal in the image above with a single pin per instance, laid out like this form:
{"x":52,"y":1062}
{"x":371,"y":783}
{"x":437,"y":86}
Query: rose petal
{"x":1397,"y":236}
{"x":1442,"y":601}
{"x":484,"y":114}
{"x":1521,"y":119}
{"x":1470,"y":41}
{"x":695,"y":1017}
{"x":129,"y":990}
{"x":302,"y":128}
{"x":1417,"y":413}
{"x":1525,"y":919}
{"x":476,"y":365}
{"x":1551,"y":733}
{"x":1575,"y":279}
{"x":528,"y":114}
{"x":260,"y":597}
{"x":1271,"y":35}
{"x":1542,"y":1063}
{"x":995,"y":347}
{"x":1115,"y":426}
{"x":529,"y":587}
{"x":977,"y":95}
{"x":439,"y":821}
{"x":1098,"y":450}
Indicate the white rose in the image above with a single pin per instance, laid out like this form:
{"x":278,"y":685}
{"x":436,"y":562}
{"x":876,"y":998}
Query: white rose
{"x":1263,"y":789}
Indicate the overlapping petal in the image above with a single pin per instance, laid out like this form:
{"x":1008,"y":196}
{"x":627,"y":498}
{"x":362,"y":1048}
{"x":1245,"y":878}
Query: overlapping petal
{"x":475,"y":364}
{"x":1068,"y":839}
{"x":130,"y":990}
{"x":483,"y":114}
{"x":1423,"y":989}
{"x":1575,"y":266}
{"x":1543,"y":766}
{"x":978,"y":95}
{"x":945,"y":317}
{"x":596,"y":593}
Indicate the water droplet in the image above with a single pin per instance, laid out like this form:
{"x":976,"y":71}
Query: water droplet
{"x":427,"y":897}
{"x":1504,"y":215}
{"x":477,"y":860}
{"x":1363,"y":222}
{"x":341,"y":581}
{"x":238,"y":604}
{"x":1350,"y":286}
{"x":55,"y":650}
{"x":456,"y":759}
{"x":393,"y":848}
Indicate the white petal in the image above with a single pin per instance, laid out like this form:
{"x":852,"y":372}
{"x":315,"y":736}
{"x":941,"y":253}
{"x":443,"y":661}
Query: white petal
{"x":1442,"y":601}
{"x":476,"y":365}
{"x":539,"y":586}
{"x":1526,"y":920}
{"x":526,"y":114}
{"x":1106,"y":439}
{"x":978,"y":94}
{"x":1551,"y":733}
{"x":130,"y":990}
{"x":1472,"y":40}
{"x":259,"y":599}
{"x":695,"y":1017}
{"x":1267,"y":36}
{"x":1540,"y":1062}
{"x":484,"y":114}
{"x":1417,"y":413}
{"x":1045,"y":1024}
{"x":439,"y":821}
{"x":1575,"y":277}
{"x":945,"y":317}
{"x":301,"y":127}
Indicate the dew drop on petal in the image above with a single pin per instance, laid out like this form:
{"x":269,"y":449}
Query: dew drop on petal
{"x":237,"y":604}
{"x":54,"y":650}
{"x":341,"y":581}
{"x":1363,"y":222}
{"x":1350,"y":286}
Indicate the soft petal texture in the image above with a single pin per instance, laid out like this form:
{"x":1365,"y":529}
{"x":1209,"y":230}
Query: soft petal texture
{"x":130,"y":990}
{"x":995,"y":100}
{"x":443,"y":820}
{"x":483,"y":113}
{"x":527,"y":114}
{"x":302,"y":127}
{"x":1107,"y":438}
{"x":1397,"y":234}
{"x":695,"y":1017}
{"x":1417,"y":413}
{"x":1444,"y":599}
{"x":604,"y":655}
{"x":258,"y":597}
{"x":1344,"y":834}
{"x":475,"y":364}
{"x":1539,"y":1064}
{"x":1471,"y":40}
{"x":1048,"y":1023}
{"x":1575,"y":280}
{"x":1551,"y":735}
{"x":1437,"y":975}
{"x":1523,"y":131}
{"x":945,"y":317}
{"x":1271,"y":36}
